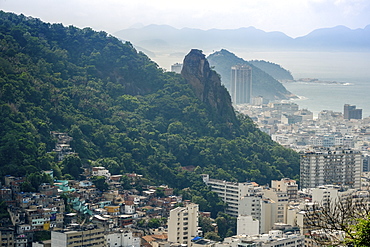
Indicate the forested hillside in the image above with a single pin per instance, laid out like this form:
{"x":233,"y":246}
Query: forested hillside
{"x":263,"y":84}
{"x":273,"y":69}
{"x":120,"y":109}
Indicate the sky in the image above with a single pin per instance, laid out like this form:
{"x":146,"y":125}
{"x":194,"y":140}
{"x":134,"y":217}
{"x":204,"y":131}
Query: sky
{"x":293,"y":17}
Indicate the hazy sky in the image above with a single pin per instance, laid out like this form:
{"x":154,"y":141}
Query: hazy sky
{"x":293,"y":17}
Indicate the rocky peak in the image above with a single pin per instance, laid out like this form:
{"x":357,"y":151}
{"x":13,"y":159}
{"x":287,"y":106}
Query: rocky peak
{"x":206,"y":84}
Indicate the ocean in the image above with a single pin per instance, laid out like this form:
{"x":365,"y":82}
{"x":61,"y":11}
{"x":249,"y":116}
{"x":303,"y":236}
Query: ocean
{"x":352,"y":68}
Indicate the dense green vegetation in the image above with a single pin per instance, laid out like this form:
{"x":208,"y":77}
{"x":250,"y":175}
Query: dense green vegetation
{"x":119,"y":107}
{"x":273,"y":69}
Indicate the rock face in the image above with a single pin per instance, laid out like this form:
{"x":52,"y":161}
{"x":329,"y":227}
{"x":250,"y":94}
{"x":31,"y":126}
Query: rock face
{"x":206,"y":84}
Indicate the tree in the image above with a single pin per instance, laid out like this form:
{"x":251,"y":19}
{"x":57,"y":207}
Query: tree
{"x":350,"y":216}
{"x":4,"y":214}
{"x":226,"y":225}
{"x":159,"y":192}
{"x":206,"y":224}
{"x":154,"y":223}
{"x":212,"y":236}
{"x":120,"y":108}
{"x":72,"y":165}
{"x":362,"y":233}
{"x":99,"y":182}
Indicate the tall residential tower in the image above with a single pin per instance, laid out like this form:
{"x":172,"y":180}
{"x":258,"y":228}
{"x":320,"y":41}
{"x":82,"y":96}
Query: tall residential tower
{"x":241,"y":84}
{"x":183,"y":224}
{"x":336,"y":166}
{"x":350,"y":112}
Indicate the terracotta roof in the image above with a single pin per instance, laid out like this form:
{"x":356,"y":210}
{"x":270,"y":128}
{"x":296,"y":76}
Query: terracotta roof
{"x":151,"y":238}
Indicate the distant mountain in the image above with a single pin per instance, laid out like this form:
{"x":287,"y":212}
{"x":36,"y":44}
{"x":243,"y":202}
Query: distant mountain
{"x":263,"y":84}
{"x":339,"y":37}
{"x":158,"y":37}
{"x":273,"y":69}
{"x":188,"y":38}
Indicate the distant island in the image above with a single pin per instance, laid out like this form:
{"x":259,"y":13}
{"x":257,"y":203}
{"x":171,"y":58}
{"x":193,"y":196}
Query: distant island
{"x":315,"y":80}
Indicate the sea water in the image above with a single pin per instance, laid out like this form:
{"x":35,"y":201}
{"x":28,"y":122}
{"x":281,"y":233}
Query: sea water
{"x":320,"y":96}
{"x":350,"y":69}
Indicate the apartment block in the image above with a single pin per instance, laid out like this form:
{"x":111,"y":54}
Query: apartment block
{"x":247,"y":225}
{"x":122,"y":238}
{"x":286,"y":185}
{"x":241,"y":84}
{"x":6,"y":236}
{"x":183,"y":224}
{"x":231,"y":193}
{"x":90,"y":236}
{"x":328,"y":194}
{"x":336,"y":166}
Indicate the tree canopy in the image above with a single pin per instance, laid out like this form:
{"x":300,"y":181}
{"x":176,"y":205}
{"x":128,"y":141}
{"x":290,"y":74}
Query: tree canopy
{"x":120,"y":108}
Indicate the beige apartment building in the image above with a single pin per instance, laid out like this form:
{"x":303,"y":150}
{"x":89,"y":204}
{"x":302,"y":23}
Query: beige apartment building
{"x":72,"y":238}
{"x":183,"y":224}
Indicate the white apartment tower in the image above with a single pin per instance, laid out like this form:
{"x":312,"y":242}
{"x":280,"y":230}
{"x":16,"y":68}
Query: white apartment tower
{"x":253,"y":204}
{"x":247,"y":225}
{"x":330,"y":194}
{"x":241,"y":84}
{"x":231,"y":193}
{"x":123,"y":238}
{"x":183,"y":224}
{"x":336,"y":166}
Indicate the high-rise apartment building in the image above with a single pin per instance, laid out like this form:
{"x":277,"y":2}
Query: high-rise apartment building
{"x":231,"y":193}
{"x":350,"y":112}
{"x":336,"y":166}
{"x":241,"y":84}
{"x":183,"y":224}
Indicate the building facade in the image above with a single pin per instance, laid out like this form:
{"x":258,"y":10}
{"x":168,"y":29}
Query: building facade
{"x":241,"y":84}
{"x":336,"y":166}
{"x":183,"y":224}
{"x":286,"y":185}
{"x":6,"y":236}
{"x":177,"y":67}
{"x":350,"y":112}
{"x":122,"y":239}
{"x":247,"y":225}
{"x":83,"y":237}
{"x":231,"y":193}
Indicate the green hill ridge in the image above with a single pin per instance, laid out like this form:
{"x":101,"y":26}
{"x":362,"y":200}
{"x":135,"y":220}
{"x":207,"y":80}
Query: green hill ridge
{"x":121,"y":109}
{"x":263,"y":84}
{"x":273,"y":69}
